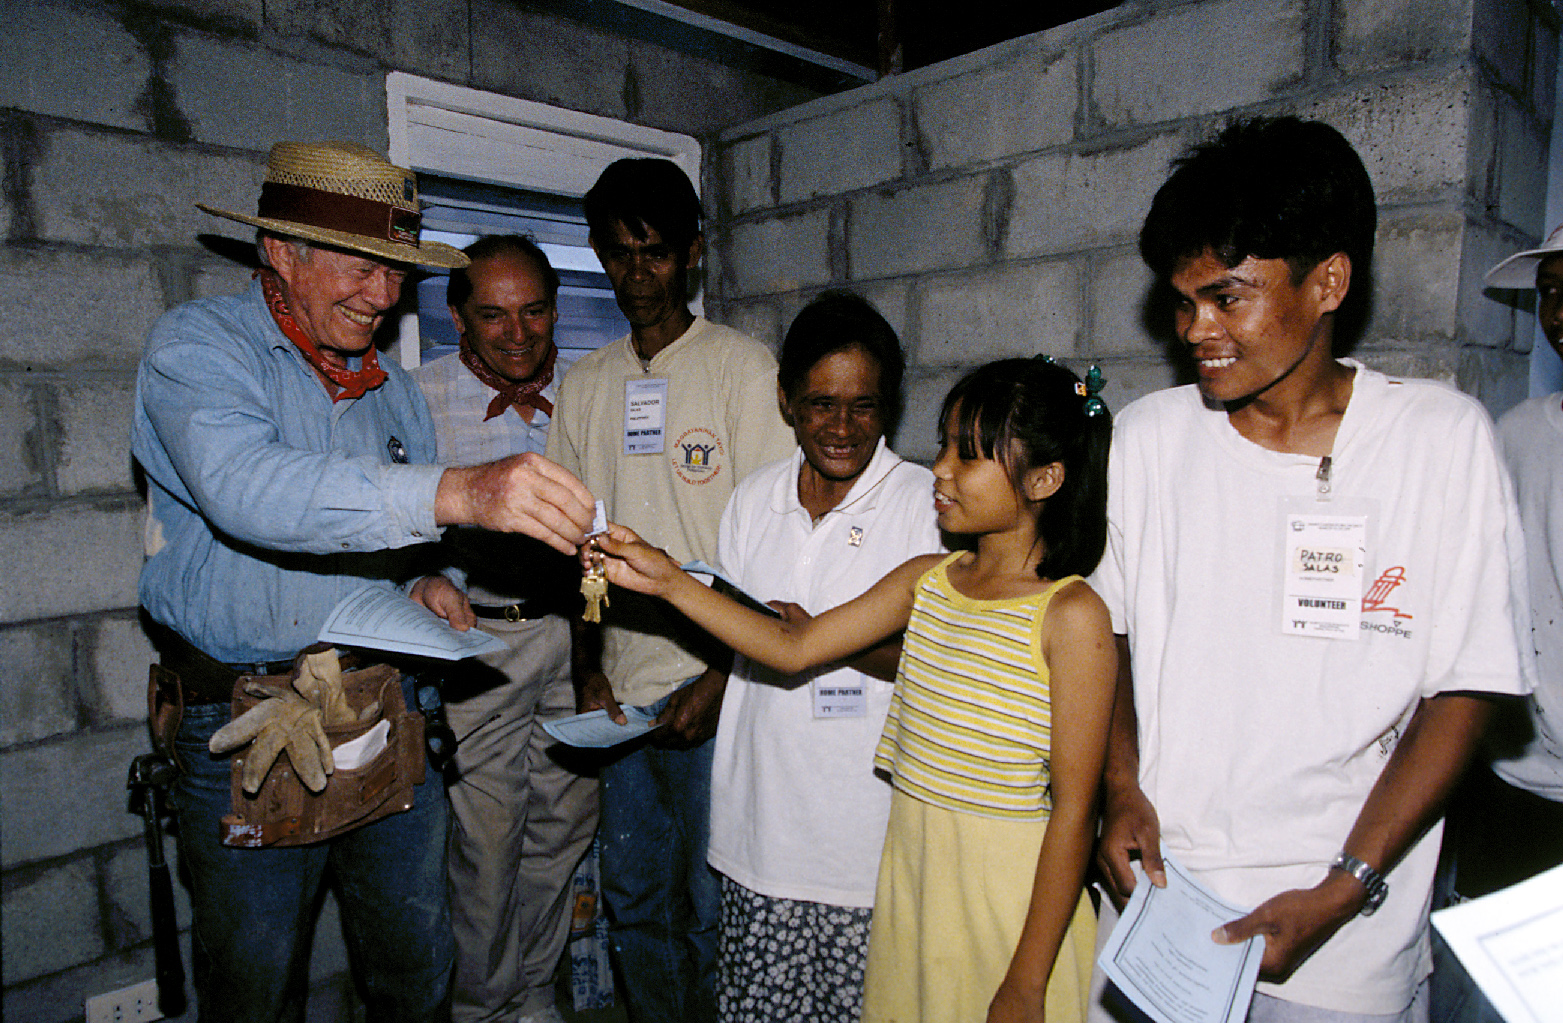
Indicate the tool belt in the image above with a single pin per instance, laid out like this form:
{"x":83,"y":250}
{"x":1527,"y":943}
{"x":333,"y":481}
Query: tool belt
{"x":283,"y":812}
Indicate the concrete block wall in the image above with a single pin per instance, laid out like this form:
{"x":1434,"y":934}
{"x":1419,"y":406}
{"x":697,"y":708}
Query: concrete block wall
{"x":990,"y":205}
{"x":114,"y":119}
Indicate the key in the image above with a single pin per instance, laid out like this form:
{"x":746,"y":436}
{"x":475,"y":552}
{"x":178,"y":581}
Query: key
{"x":594,"y":587}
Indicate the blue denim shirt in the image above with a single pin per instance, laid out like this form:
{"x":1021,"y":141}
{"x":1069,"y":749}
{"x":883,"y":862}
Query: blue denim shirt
{"x":268,"y":503}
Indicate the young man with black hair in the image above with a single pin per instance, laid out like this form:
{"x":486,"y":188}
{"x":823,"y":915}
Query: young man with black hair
{"x":664,"y":422}
{"x":1309,"y":566}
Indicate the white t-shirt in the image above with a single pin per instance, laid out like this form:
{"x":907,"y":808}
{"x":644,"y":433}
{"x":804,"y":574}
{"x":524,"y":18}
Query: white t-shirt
{"x":796,"y":809}
{"x":1258,"y":748}
{"x":1532,"y":439}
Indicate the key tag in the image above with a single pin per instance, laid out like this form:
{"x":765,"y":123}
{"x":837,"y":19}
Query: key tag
{"x":594,"y":583}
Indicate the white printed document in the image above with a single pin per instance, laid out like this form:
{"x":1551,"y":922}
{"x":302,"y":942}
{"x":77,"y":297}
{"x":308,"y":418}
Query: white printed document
{"x":1163,"y":959}
{"x":723,"y":583}
{"x":596,"y":730}
{"x":383,"y":619}
{"x":1511,"y":943}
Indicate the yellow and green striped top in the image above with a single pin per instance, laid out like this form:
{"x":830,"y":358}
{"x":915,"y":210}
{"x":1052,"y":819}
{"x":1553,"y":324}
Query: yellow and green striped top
{"x":971,"y":720}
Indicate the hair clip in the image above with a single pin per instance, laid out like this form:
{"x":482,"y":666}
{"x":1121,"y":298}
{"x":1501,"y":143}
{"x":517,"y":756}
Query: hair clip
{"x":1091,"y":390}
{"x":1046,"y":359}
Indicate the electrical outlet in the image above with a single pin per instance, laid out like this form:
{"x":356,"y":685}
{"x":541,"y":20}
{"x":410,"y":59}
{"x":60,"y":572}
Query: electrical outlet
{"x":127,"y":1005}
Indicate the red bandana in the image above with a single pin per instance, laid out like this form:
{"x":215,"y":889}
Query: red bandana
{"x":353,"y":382}
{"x":520,"y":395}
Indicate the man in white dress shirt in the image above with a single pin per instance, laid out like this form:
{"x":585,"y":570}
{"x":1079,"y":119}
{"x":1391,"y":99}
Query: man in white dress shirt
{"x":521,"y":820}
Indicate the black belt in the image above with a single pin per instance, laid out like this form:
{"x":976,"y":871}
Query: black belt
{"x":524,"y":610}
{"x":203,"y":677}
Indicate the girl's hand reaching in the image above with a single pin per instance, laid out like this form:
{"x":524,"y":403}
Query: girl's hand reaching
{"x":634,"y":564}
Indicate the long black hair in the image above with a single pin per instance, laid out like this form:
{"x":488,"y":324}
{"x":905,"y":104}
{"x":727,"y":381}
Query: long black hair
{"x":1027,"y":413}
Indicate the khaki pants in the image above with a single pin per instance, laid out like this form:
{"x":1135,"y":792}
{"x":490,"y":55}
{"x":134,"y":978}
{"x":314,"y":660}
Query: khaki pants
{"x":520,"y":822}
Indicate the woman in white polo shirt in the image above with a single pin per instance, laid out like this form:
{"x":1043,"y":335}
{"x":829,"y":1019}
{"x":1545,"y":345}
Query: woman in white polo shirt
{"x":797,"y":813}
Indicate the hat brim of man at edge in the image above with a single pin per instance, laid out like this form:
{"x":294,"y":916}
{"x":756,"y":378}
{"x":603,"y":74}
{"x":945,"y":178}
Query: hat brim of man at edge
{"x":1519,"y":270}
{"x":435,"y":254}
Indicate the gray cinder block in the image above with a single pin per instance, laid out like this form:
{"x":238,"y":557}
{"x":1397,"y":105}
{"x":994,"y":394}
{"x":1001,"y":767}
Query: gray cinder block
{"x":50,"y":921}
{"x":746,"y":174}
{"x":1371,"y":35}
{"x":118,"y":653}
{"x":113,"y":190}
{"x":1017,"y":310}
{"x":85,"y":772}
{"x":62,"y":308}
{"x":94,"y":444}
{"x":841,"y":151}
{"x":1027,"y":101}
{"x":98,"y":78}
{"x":247,"y":97}
{"x":22,"y":467}
{"x":77,"y":559}
{"x":1198,"y":59}
{"x":780,"y":254}
{"x":38,"y":699}
{"x":917,"y":229}
{"x":1065,"y":202}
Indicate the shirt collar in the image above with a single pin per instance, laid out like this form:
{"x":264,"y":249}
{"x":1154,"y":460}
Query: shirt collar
{"x":862,"y":498}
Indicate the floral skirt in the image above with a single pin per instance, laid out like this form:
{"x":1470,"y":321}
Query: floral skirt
{"x":784,"y":960}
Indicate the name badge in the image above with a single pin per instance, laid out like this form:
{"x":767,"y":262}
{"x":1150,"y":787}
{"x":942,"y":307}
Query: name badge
{"x":645,"y":416}
{"x":834,"y":700}
{"x":1326,"y":557}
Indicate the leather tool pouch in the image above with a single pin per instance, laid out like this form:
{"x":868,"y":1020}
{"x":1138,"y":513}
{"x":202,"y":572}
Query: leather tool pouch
{"x":165,"y":710}
{"x":283,"y":812}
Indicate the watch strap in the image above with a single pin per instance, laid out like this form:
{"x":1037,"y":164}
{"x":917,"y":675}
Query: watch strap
{"x":1371,"y":879}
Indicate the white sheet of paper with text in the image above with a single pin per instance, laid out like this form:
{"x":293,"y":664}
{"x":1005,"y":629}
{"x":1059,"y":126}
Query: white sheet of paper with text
{"x":1162,"y":958}
{"x":382,"y":619}
{"x":596,"y":730}
{"x":1511,"y":943}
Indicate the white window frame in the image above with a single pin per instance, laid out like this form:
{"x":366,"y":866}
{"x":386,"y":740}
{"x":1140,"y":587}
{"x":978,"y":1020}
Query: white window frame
{"x":467,"y":133}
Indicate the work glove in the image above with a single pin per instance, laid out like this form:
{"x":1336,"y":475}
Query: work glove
{"x":318,"y":678}
{"x":293,"y":720}
{"x":283,"y":720}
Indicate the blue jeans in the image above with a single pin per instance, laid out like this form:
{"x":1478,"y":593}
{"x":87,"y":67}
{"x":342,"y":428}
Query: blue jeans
{"x":664,"y":903}
{"x":255,"y":909}
{"x":1455,"y":996}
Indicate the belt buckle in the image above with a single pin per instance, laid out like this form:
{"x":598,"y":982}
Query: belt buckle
{"x":513,"y":613}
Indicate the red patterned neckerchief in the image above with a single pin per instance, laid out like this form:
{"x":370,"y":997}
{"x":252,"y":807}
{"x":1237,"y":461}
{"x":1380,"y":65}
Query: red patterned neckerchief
{"x":521,"y":395}
{"x":353,"y":383}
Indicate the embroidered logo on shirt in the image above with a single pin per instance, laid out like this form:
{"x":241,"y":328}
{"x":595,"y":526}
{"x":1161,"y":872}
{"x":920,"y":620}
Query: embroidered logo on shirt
{"x":697,"y":456}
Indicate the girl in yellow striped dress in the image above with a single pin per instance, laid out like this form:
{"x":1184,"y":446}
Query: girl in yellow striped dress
{"x":998,"y":727}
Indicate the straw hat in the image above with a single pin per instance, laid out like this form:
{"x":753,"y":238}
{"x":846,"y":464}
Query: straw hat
{"x":346,"y":195}
{"x":1519,"y":271}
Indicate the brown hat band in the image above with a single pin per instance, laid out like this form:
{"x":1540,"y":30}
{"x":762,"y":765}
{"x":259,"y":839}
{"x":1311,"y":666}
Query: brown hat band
{"x":334,"y":211}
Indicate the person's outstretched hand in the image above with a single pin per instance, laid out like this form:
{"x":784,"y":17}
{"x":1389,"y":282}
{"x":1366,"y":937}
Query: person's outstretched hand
{"x":634,"y":564}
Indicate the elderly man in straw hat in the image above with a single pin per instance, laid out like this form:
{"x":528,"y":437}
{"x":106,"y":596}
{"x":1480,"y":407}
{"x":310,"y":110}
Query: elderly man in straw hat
{"x":283,"y":462}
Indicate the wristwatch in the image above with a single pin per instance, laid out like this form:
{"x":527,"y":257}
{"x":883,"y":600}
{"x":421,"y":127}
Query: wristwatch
{"x":1370,"y":878}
